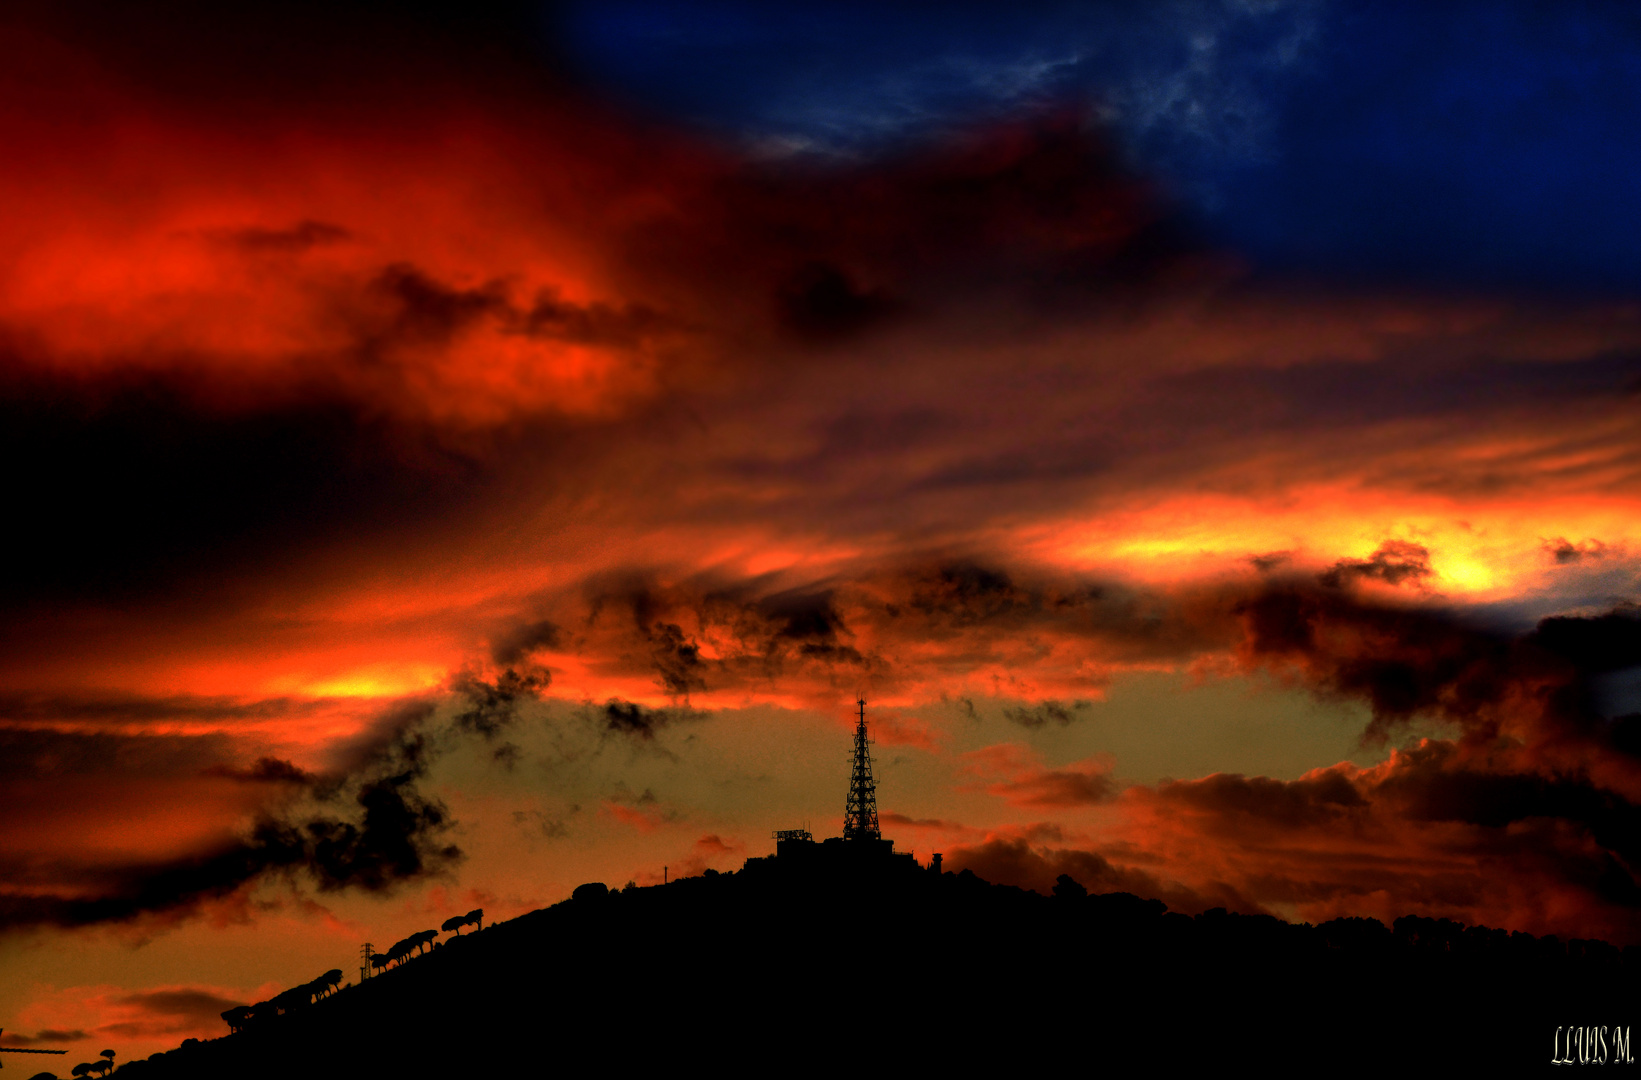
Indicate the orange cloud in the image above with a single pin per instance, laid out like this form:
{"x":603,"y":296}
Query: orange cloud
{"x":1013,"y":773}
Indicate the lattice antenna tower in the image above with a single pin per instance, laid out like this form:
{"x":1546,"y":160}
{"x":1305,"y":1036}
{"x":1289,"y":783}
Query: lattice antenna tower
{"x":860,"y":813}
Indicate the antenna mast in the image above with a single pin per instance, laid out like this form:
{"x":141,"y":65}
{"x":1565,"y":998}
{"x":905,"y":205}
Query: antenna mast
{"x":860,"y":813}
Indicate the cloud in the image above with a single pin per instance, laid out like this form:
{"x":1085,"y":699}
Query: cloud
{"x":819,"y":301}
{"x":1013,"y":861}
{"x":707,"y":851}
{"x":707,"y":635}
{"x":492,"y":706}
{"x":213,"y":487}
{"x":1525,"y":819}
{"x":38,"y":710}
{"x":639,"y":721}
{"x":1319,"y":799}
{"x":933,"y":824}
{"x":46,"y":752}
{"x":187,"y":1006}
{"x":641,"y":811}
{"x":522,"y":640}
{"x":1050,"y":637}
{"x":1394,"y":562}
{"x":1565,"y":551}
{"x":45,"y":1035}
{"x":370,"y":830}
{"x":1012,"y":773}
{"x":1438,"y":829}
{"x":1412,"y":661}
{"x":1039,"y":715}
{"x":297,"y":239}
{"x":152,"y":1018}
{"x":549,"y":826}
{"x":550,"y":317}
{"x":677,"y":659}
{"x":266,"y":770}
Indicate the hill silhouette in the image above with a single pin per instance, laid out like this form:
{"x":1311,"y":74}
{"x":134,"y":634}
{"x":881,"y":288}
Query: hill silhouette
{"x":885,"y":964}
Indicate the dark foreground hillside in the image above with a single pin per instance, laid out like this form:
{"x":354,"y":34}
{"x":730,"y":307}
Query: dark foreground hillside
{"x":768,"y":971}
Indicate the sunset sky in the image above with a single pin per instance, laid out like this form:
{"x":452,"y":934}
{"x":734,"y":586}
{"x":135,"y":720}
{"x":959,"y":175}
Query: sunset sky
{"x":456,"y":456}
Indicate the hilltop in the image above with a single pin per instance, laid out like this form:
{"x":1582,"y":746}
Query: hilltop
{"x":878,"y":965}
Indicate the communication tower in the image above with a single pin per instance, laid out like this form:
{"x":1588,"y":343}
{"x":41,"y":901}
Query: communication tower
{"x":860,"y":813}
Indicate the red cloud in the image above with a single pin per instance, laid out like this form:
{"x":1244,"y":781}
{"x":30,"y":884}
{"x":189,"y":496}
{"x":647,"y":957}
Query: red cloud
{"x":1437,"y":830}
{"x":1011,"y":772}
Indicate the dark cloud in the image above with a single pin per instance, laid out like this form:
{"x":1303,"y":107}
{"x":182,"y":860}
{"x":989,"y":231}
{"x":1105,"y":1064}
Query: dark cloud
{"x":422,"y":310}
{"x":1535,"y":797}
{"x":1405,"y":658}
{"x":1403,"y":661}
{"x":1443,"y":827}
{"x":626,"y":797}
{"x":892,"y":818}
{"x":299,"y":238}
{"x":811,"y":622}
{"x":256,"y":58}
{"x":139,"y":709}
{"x":1056,"y":788}
{"x":550,"y":827}
{"x":199,"y":1007}
{"x":996,"y":603}
{"x":1394,"y":562}
{"x":1312,"y":801}
{"x":426,"y":311}
{"x":1436,"y":783}
{"x":552,"y":318}
{"x":1408,"y":661}
{"x":492,"y":706}
{"x":968,"y":593}
{"x":397,"y":836}
{"x":383,"y":831}
{"x":1046,"y":712}
{"x":522,"y":640}
{"x":48,"y":753}
{"x":677,"y":660}
{"x":1044,"y":192}
{"x":758,"y":633}
{"x":199,"y":488}
{"x":638,"y":721}
{"x":1565,"y":551}
{"x":1593,"y":644}
{"x":1016,"y":862}
{"x":1011,"y":772}
{"x":1416,"y":382}
{"x":215,"y":471}
{"x":45,"y":1035}
{"x":819,"y":301}
{"x":267,"y":770}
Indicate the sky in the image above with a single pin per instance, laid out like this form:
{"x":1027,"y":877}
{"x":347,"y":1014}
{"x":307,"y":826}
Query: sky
{"x":459,"y":452}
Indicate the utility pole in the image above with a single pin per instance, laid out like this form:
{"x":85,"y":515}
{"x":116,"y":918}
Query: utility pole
{"x":365,"y":953}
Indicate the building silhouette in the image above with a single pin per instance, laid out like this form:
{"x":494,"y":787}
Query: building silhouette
{"x":861,"y":847}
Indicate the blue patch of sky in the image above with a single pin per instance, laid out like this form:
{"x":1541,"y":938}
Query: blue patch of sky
{"x":1462,"y":143}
